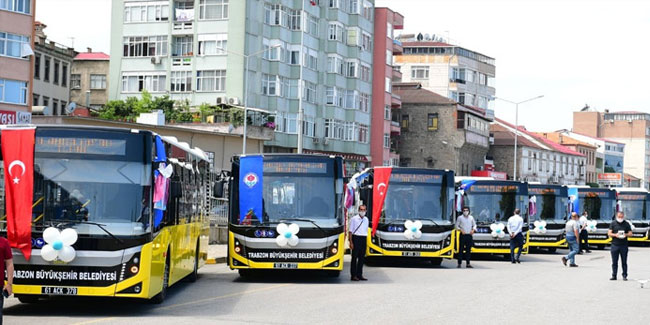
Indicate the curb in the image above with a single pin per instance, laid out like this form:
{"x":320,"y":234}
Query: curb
{"x":216,"y":260}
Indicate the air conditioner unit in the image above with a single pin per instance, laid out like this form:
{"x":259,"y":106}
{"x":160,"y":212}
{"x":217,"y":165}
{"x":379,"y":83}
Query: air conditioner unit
{"x":222,"y":100}
{"x":316,"y":140}
{"x":233,"y":101}
{"x":326,"y":141}
{"x":156,"y":59}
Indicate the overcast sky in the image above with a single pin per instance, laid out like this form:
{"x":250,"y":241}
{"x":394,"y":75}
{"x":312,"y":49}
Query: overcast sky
{"x":574,"y":52}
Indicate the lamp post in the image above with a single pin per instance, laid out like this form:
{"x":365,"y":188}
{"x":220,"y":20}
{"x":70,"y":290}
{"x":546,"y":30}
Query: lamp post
{"x":246,"y":59}
{"x":514,"y":175}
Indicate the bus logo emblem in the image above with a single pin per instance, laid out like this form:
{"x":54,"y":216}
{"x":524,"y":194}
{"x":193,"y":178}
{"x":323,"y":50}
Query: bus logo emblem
{"x":250,"y":179}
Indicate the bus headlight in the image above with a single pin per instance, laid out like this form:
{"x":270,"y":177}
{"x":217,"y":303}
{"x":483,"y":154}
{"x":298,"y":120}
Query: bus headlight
{"x":334,"y":250}
{"x":134,"y":269}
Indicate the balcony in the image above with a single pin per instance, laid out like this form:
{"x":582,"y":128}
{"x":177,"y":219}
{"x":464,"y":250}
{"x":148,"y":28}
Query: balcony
{"x":183,"y":19}
{"x":183,"y":28}
{"x":395,"y":128}
{"x":398,"y":49}
{"x":395,"y":101}
{"x":397,"y":74}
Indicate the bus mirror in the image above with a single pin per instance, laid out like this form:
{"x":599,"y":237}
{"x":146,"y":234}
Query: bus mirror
{"x":339,"y":186}
{"x":218,"y":189}
{"x":176,"y":189}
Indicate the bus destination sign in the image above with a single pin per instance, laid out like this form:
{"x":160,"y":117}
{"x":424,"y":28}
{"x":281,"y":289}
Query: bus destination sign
{"x":80,"y":146}
{"x":415,"y":178}
{"x":294,"y":167}
{"x":542,"y":191}
{"x":493,"y":188}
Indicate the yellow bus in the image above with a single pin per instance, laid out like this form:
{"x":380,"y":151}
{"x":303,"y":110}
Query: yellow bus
{"x":116,"y":213}
{"x":286,"y":212}
{"x":600,"y":205}
{"x":549,"y":217}
{"x":634,"y":203}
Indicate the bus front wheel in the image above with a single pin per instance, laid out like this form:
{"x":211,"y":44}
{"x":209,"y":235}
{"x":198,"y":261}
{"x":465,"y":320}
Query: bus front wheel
{"x":436,"y":261}
{"x":160,"y":297}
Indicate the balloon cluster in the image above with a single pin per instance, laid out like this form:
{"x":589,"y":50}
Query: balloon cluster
{"x":497,"y":230}
{"x":59,"y":244}
{"x":540,"y":227}
{"x":287,"y":234}
{"x":412,"y":229}
{"x":591,"y":226}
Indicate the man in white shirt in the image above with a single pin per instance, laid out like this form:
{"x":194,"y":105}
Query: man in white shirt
{"x":357,"y":236}
{"x":584,"y":234}
{"x":467,"y":226}
{"x":515,"y":227}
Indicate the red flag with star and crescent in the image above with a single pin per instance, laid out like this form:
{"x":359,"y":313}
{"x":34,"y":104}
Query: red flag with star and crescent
{"x":380,"y":188}
{"x":18,"y":158}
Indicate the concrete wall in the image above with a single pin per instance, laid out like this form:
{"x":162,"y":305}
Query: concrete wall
{"x":85,"y":68}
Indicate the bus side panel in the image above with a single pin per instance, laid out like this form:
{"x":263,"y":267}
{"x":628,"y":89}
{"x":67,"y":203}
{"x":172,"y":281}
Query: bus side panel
{"x":157,"y":258}
{"x":182,"y":251}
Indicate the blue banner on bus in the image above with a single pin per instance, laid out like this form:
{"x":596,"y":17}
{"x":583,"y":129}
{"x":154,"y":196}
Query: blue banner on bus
{"x":250,"y":188}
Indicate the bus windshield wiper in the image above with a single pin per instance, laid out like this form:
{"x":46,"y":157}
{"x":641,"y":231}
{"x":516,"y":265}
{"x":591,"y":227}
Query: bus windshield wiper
{"x":99,"y":225}
{"x":304,"y":220}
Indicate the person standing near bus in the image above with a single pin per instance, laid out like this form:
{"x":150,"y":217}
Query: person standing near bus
{"x":619,"y":231}
{"x":572,"y":229}
{"x":467,"y":227}
{"x":515,"y":227}
{"x":6,"y":264}
{"x":584,"y":234}
{"x":357,"y":236}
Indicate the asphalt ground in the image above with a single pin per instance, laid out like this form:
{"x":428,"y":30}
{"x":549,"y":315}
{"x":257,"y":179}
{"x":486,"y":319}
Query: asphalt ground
{"x":539,"y":291}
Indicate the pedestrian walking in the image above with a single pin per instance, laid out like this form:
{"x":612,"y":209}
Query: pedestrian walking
{"x":467,"y":226}
{"x":6,"y":264}
{"x":572,"y":229}
{"x":515,"y":228}
{"x":357,"y":236}
{"x":584,"y":234}
{"x":619,"y":231}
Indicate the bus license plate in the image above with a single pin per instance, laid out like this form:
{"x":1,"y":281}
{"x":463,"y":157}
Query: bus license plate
{"x":410,"y":253}
{"x":285,"y":265}
{"x":65,"y":291}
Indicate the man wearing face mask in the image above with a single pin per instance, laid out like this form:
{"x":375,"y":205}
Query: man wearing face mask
{"x":619,"y":231}
{"x":584,"y":234}
{"x":467,"y":226}
{"x":357,"y":236}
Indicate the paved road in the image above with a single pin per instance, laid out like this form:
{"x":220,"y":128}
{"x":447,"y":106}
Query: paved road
{"x":539,"y":291}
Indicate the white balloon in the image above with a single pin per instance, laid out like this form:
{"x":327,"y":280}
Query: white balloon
{"x":48,"y":253}
{"x":408,"y":234}
{"x":294,"y":228}
{"x":69,"y":236}
{"x":293,"y":241}
{"x":67,"y":254}
{"x":282,"y":228}
{"x":408,"y":224}
{"x":418,"y":224}
{"x":417,"y":234}
{"x":51,"y":234}
{"x":494,"y":234}
{"x":493,"y":226}
{"x":502,"y":234}
{"x":281,"y":240}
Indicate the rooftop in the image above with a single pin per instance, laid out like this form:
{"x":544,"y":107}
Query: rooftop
{"x":557,"y":137}
{"x":546,"y":142}
{"x":413,"y":93}
{"x":588,"y":136}
{"x":100,"y":56}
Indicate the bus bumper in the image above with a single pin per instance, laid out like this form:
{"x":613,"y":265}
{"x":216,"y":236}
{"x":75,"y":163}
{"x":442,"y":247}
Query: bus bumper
{"x":446,"y":249}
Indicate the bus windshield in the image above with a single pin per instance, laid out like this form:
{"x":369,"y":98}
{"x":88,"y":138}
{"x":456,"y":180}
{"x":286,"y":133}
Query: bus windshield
{"x":551,"y":207}
{"x":410,"y":201}
{"x":300,"y":196}
{"x":598,"y":208}
{"x":633,"y":209}
{"x":112,"y":193}
{"x":492,"y":207}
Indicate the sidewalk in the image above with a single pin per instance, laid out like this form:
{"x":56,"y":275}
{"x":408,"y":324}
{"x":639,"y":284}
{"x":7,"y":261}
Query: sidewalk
{"x":217,"y":253}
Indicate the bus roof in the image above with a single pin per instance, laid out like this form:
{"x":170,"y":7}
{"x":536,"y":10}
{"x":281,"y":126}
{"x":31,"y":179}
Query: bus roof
{"x":630,"y":189}
{"x":473,"y":178}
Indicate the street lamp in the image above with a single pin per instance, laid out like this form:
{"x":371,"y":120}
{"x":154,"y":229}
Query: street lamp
{"x":514,"y":175}
{"x":246,"y":57}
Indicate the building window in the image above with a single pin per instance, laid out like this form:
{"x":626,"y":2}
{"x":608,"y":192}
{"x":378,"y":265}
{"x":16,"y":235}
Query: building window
{"x":181,"y":81}
{"x":334,"y":96}
{"x":308,"y":126}
{"x":312,"y":25}
{"x":97,"y":81}
{"x":141,"y":46}
{"x":389,"y":57}
{"x":37,"y":62}
{"x":295,"y":19}
{"x":355,"y":7}
{"x":64,"y":74}
{"x":55,"y":80}
{"x":46,"y":72}
{"x":388,"y":86}
{"x":213,"y":44}
{"x":182,"y":46}
{"x":389,"y":30}
{"x":64,"y":104}
{"x":363,"y":133}
{"x":145,"y":12}
{"x":420,"y":72}
{"x":213,"y":9}
{"x":46,"y":101}
{"x":75,"y":81}
{"x":364,"y":102}
{"x":352,"y":99}
{"x":335,"y":32}
{"x":351,"y":68}
{"x":55,"y":107}
{"x":270,"y":85}
{"x":366,"y":42}
{"x":405,"y":122}
{"x":13,"y":92}
{"x":387,"y":113}
{"x":432,"y":122}
{"x":309,"y":93}
{"x":367,"y":10}
{"x":311,"y":59}
{"x":365,"y":73}
{"x":276,"y":15}
{"x":386,"y":140}
{"x":139,"y":81}
{"x":334,"y":3}
{"x":21,"y":6}
{"x":35,"y":97}
{"x":211,"y":80}
{"x":335,"y":64}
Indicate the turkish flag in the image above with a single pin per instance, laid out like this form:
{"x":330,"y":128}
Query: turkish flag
{"x":380,"y":188}
{"x":18,"y":156}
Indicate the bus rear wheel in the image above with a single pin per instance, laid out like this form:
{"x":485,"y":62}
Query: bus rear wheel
{"x":160,"y":297}
{"x":28,"y":299}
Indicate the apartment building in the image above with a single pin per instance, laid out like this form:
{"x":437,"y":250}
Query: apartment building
{"x":385,"y":126}
{"x":89,"y":79}
{"x":16,"y":60}
{"x":460,"y":74}
{"x":588,"y":150}
{"x":632,"y":128}
{"x":52,"y":65}
{"x":217,"y":51}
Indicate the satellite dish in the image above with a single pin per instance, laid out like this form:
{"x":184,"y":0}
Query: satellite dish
{"x":419,"y":37}
{"x":71,"y":107}
{"x":427,"y":37}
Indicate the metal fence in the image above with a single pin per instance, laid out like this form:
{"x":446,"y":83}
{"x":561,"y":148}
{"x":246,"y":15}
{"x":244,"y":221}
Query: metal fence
{"x":218,"y":212}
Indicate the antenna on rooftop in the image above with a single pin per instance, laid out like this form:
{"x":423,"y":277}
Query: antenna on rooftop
{"x":586,"y":108}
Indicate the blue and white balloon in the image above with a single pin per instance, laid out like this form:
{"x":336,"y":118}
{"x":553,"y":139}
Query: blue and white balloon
{"x":287,"y":235}
{"x":412,"y":229}
{"x":59,"y":244}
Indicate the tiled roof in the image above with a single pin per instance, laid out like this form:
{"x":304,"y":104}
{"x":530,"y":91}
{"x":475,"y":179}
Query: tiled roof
{"x":92,"y":56}
{"x":412,"y":93}
{"x":505,"y":137}
{"x":595,"y":138}
{"x":564,"y":139}
{"x":552,"y":145}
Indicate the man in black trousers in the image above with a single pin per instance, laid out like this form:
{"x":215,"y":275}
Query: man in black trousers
{"x":619,"y":231}
{"x":357,"y":235}
{"x":467,"y":226}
